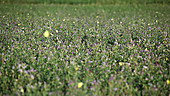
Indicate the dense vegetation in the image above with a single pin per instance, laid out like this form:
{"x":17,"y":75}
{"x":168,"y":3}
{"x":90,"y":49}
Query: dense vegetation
{"x":87,"y":1}
{"x":84,"y":50}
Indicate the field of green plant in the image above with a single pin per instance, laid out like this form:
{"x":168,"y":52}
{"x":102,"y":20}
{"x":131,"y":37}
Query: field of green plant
{"x":84,"y":50}
{"x":86,"y":1}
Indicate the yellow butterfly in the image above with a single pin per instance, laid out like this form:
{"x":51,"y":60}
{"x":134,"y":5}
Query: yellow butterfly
{"x":46,"y":33}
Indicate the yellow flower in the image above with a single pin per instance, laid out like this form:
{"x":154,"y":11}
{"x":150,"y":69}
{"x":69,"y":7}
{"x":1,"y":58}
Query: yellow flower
{"x":131,"y":40}
{"x":167,"y":82}
{"x":80,"y":84}
{"x":46,"y":33}
{"x":23,"y":28}
{"x":22,"y":90}
{"x":76,"y":68}
{"x":120,"y":63}
{"x":167,"y":59}
{"x":19,"y":24}
{"x":97,"y":22}
{"x":164,"y":42}
{"x":146,"y":49}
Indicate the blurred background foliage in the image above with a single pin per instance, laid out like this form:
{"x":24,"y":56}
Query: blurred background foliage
{"x":85,"y":1}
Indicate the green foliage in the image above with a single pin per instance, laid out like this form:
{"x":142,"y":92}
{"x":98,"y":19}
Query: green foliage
{"x":87,"y":1}
{"x":111,"y":49}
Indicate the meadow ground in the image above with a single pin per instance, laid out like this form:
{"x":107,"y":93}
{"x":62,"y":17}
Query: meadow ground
{"x":84,"y":50}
